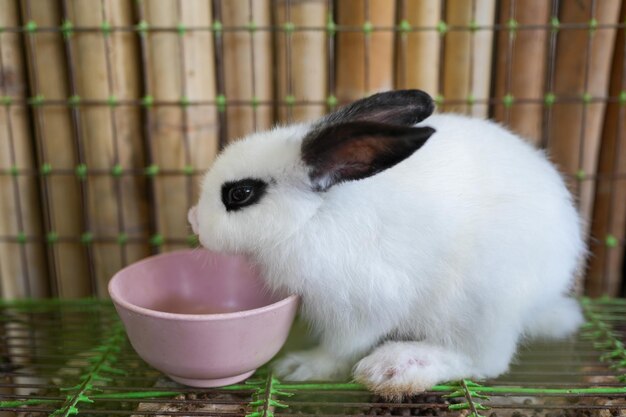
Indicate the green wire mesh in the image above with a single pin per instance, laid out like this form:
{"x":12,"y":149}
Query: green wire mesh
{"x":64,"y":358}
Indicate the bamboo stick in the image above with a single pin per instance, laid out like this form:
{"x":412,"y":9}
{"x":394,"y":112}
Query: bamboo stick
{"x":23,"y":270}
{"x":105,"y":65}
{"x":419,"y":50}
{"x":457,"y":55}
{"x":583,"y":66}
{"x":247,"y":65}
{"x":22,"y":266}
{"x":56,"y":147}
{"x":301,"y":58}
{"x":180,"y":68}
{"x":200,"y":84}
{"x":467,"y":65}
{"x":609,"y":215}
{"x":364,"y":58}
{"x":520,"y":68}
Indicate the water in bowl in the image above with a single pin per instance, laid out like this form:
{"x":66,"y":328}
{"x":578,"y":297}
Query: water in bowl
{"x":183,"y":305}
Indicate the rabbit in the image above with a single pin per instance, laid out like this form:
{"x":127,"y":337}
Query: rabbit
{"x":424,"y":247}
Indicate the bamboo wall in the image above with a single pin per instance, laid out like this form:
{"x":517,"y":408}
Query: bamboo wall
{"x":110,"y":110}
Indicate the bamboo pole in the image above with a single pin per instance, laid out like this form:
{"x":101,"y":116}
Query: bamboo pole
{"x":247,"y":65}
{"x":521,"y":65}
{"x":583,"y":66}
{"x":457,"y":55}
{"x":301,"y":58}
{"x":22,"y":266}
{"x":56,"y":147}
{"x":467,"y":64}
{"x":180,"y":69}
{"x":609,"y":215}
{"x":419,"y":50}
{"x":364,"y":57}
{"x":105,"y":65}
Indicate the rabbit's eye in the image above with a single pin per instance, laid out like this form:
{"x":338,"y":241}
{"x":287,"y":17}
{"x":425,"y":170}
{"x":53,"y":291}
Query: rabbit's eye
{"x":239,"y":194}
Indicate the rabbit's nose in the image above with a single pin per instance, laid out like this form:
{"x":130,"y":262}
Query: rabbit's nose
{"x":192,"y":217}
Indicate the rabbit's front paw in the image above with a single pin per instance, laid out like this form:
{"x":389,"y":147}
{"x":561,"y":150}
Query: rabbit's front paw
{"x":308,"y":365}
{"x":398,"y":369}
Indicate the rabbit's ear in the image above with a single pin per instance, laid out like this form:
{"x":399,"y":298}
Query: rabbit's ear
{"x":400,"y":107}
{"x":351,"y":151}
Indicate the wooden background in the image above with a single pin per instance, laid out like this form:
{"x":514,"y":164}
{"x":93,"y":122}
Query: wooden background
{"x":110,"y":110}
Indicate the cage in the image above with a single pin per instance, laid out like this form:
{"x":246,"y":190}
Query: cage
{"x":112,"y":110}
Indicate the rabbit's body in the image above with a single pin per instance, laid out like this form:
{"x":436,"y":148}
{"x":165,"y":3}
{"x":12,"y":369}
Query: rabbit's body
{"x":458,"y":251}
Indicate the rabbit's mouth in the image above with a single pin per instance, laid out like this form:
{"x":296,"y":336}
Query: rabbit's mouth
{"x":192,"y":218}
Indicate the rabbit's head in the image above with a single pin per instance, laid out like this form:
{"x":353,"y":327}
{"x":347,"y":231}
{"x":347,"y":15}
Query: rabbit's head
{"x":262,"y":189}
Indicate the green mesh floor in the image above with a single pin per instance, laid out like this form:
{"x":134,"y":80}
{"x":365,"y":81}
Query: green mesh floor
{"x":66,"y":358}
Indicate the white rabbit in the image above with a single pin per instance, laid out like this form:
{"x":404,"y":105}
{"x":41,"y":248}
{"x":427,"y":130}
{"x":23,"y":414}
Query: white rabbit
{"x":424,"y":248}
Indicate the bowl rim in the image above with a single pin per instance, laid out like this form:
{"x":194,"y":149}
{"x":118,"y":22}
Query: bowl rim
{"x":119,"y":300}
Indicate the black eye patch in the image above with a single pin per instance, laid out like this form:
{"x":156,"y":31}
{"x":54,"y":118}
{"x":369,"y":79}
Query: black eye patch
{"x":239,"y":194}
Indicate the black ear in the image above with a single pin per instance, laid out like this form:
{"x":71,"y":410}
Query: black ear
{"x":400,"y":107}
{"x":350,"y":151}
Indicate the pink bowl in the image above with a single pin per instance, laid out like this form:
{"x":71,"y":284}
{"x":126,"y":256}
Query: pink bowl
{"x":202,"y":318}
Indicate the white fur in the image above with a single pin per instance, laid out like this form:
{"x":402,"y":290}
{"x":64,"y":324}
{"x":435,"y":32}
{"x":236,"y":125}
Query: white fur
{"x":462,"y":249}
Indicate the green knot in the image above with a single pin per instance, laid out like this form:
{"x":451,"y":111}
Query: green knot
{"x":217,"y":27}
{"x":512,"y":25}
{"x":122,"y":239}
{"x":86,"y":238}
{"x":508,"y":100}
{"x":254,"y":102}
{"x":331,"y":26}
{"x":555,"y":24}
{"x":611,"y":241}
{"x":368,"y":28}
{"x":67,"y":28}
{"x":290,"y":100}
{"x":81,"y":171}
{"x":30,"y":26}
{"x":117,"y":170}
{"x":181,"y":29}
{"x":331,"y":101}
{"x":142,"y":27}
{"x":193,"y":241}
{"x":157,"y":240}
{"x":471,"y":100}
{"x":52,"y":237}
{"x":473,"y":25}
{"x":581,"y":175}
{"x":289,"y":27}
{"x":147,"y":101}
{"x":14,"y":170}
{"x":152,"y":170}
{"x":593,"y":25}
{"x":46,"y":169}
{"x":439,"y":99}
{"x":405,"y":26}
{"x":252,"y":26}
{"x":112,"y":101}
{"x":188,"y":169}
{"x":442,"y":27}
{"x":36,"y":101}
{"x":184,"y":101}
{"x":21,"y":238}
{"x":587,"y":97}
{"x":105,"y":27}
{"x":220,"y":100}
{"x":622,"y":98}
{"x":549,"y":99}
{"x":6,"y":100}
{"x":74,"y":100}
